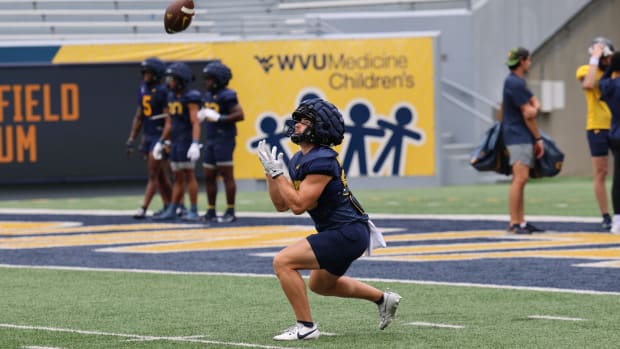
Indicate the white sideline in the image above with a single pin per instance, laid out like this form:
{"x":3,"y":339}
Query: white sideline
{"x":562,"y":318}
{"x":417,"y":282}
{"x":135,"y":336}
{"x":431,"y":324}
{"x":456,"y":217}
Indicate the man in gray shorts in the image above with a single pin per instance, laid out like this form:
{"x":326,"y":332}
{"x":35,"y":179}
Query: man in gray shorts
{"x":521,"y":136}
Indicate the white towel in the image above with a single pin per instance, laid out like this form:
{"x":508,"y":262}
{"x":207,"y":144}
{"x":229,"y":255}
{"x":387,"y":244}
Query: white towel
{"x":376,"y":238}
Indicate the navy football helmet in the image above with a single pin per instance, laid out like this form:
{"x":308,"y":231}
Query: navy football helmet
{"x":155,"y":66}
{"x":219,"y":72}
{"x":181,"y":72}
{"x":608,"y":49}
{"x":327,"y":123}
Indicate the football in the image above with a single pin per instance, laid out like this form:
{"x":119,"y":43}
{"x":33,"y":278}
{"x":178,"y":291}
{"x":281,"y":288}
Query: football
{"x":178,"y":16}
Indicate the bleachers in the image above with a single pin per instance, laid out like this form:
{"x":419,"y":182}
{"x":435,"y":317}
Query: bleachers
{"x":22,"y":20}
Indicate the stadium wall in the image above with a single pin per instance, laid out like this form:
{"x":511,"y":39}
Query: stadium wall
{"x":65,"y":113}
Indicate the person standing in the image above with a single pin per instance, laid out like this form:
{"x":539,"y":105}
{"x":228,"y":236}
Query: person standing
{"x":152,"y":101}
{"x":610,"y":94}
{"x":183,"y":130}
{"x":314,"y":182}
{"x":521,"y":135}
{"x":222,"y":111}
{"x":598,"y":120}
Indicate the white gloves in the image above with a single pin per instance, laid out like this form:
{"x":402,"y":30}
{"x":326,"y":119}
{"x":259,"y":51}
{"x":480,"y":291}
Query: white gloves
{"x":158,"y":150}
{"x":208,"y":114}
{"x":193,"y":153}
{"x":272,"y":163}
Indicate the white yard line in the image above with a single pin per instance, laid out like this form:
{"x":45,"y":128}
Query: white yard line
{"x":549,"y":317}
{"x":431,"y":324}
{"x":417,"y":282}
{"x":467,"y":217}
{"x":135,"y":336}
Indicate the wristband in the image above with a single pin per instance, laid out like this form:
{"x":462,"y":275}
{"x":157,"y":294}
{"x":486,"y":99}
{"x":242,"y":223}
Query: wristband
{"x":539,"y":139}
{"x":594,"y":60}
{"x":222,"y":118}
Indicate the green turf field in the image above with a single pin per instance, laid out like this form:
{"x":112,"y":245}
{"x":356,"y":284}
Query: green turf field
{"x":80,"y":309}
{"x":556,"y":196}
{"x":72,"y":309}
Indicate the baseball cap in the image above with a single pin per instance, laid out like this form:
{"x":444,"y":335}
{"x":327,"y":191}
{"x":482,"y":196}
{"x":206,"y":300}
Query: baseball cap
{"x":515,"y":55}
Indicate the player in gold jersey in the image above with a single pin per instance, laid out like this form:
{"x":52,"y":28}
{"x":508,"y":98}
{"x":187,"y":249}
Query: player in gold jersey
{"x":598,"y":120}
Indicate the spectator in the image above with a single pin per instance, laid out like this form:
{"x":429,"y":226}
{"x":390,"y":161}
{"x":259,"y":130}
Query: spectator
{"x":610,"y":94}
{"x":183,"y":129}
{"x":314,"y":182}
{"x":598,"y":120}
{"x":152,"y":101}
{"x":222,"y":112}
{"x":521,"y":136}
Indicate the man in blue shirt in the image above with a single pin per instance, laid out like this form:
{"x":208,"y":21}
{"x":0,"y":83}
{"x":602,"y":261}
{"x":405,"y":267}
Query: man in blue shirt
{"x":521,"y":136}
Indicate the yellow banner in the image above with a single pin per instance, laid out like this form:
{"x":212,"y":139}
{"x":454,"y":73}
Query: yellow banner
{"x":384,"y":88}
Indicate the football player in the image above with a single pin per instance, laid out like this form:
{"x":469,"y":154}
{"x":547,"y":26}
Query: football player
{"x":598,"y":120}
{"x":182,"y":128}
{"x":222,"y":111}
{"x":152,"y":100}
{"x":317,"y":185}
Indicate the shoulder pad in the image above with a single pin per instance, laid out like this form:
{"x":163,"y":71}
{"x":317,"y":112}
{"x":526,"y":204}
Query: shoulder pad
{"x":193,"y":96}
{"x":322,"y":160}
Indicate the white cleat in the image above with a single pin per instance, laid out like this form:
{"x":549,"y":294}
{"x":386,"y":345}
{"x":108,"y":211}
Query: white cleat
{"x":387,"y":309}
{"x":298,"y":332}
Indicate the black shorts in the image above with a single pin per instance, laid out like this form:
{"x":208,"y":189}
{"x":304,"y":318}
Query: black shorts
{"x":598,"y":140}
{"x":336,"y":249}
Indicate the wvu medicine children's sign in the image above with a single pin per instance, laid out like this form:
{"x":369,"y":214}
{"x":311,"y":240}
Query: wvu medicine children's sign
{"x":384,"y":87}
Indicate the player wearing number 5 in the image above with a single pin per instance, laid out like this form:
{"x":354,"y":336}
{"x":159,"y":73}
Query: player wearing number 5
{"x":222,"y":111}
{"x":152,"y":100}
{"x":183,"y":130}
{"x":317,"y":185}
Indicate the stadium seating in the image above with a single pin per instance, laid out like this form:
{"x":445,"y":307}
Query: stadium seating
{"x":67,"y":19}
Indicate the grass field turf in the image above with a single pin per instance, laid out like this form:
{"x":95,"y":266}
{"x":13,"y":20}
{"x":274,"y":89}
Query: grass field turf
{"x":72,"y":309}
{"x":123,"y":306}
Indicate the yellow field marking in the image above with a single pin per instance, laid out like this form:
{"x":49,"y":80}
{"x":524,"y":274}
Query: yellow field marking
{"x":231,"y":238}
{"x":613,"y":253}
{"x":14,"y":228}
{"x":211,"y":238}
{"x":167,"y":238}
{"x":31,"y":228}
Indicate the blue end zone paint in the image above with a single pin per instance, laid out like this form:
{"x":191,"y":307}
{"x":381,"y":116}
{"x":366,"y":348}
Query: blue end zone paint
{"x":29,"y":55}
{"x":529,"y":272}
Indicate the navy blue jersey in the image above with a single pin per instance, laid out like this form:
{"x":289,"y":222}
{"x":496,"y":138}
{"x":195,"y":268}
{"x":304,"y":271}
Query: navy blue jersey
{"x":610,"y":94}
{"x":222,"y":102}
{"x":335,"y":206}
{"x":515,"y":95}
{"x":152,"y":101}
{"x":181,"y":131}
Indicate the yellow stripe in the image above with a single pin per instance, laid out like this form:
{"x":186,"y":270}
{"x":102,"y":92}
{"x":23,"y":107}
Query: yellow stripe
{"x":132,"y":52}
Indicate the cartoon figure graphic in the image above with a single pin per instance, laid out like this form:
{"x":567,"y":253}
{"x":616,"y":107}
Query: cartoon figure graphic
{"x":359,"y":113}
{"x":404,"y":115}
{"x":269,"y":125}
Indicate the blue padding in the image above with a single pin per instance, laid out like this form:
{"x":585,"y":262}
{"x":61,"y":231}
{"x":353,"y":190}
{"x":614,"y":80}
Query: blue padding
{"x":28,"y":55}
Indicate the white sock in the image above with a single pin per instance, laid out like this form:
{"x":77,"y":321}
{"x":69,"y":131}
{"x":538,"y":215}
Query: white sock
{"x":616,"y":219}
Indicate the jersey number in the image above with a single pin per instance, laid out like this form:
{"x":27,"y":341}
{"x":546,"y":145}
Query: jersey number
{"x":147,"y":110}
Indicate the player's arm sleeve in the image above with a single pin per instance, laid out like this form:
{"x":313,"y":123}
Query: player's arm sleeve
{"x":581,"y":72}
